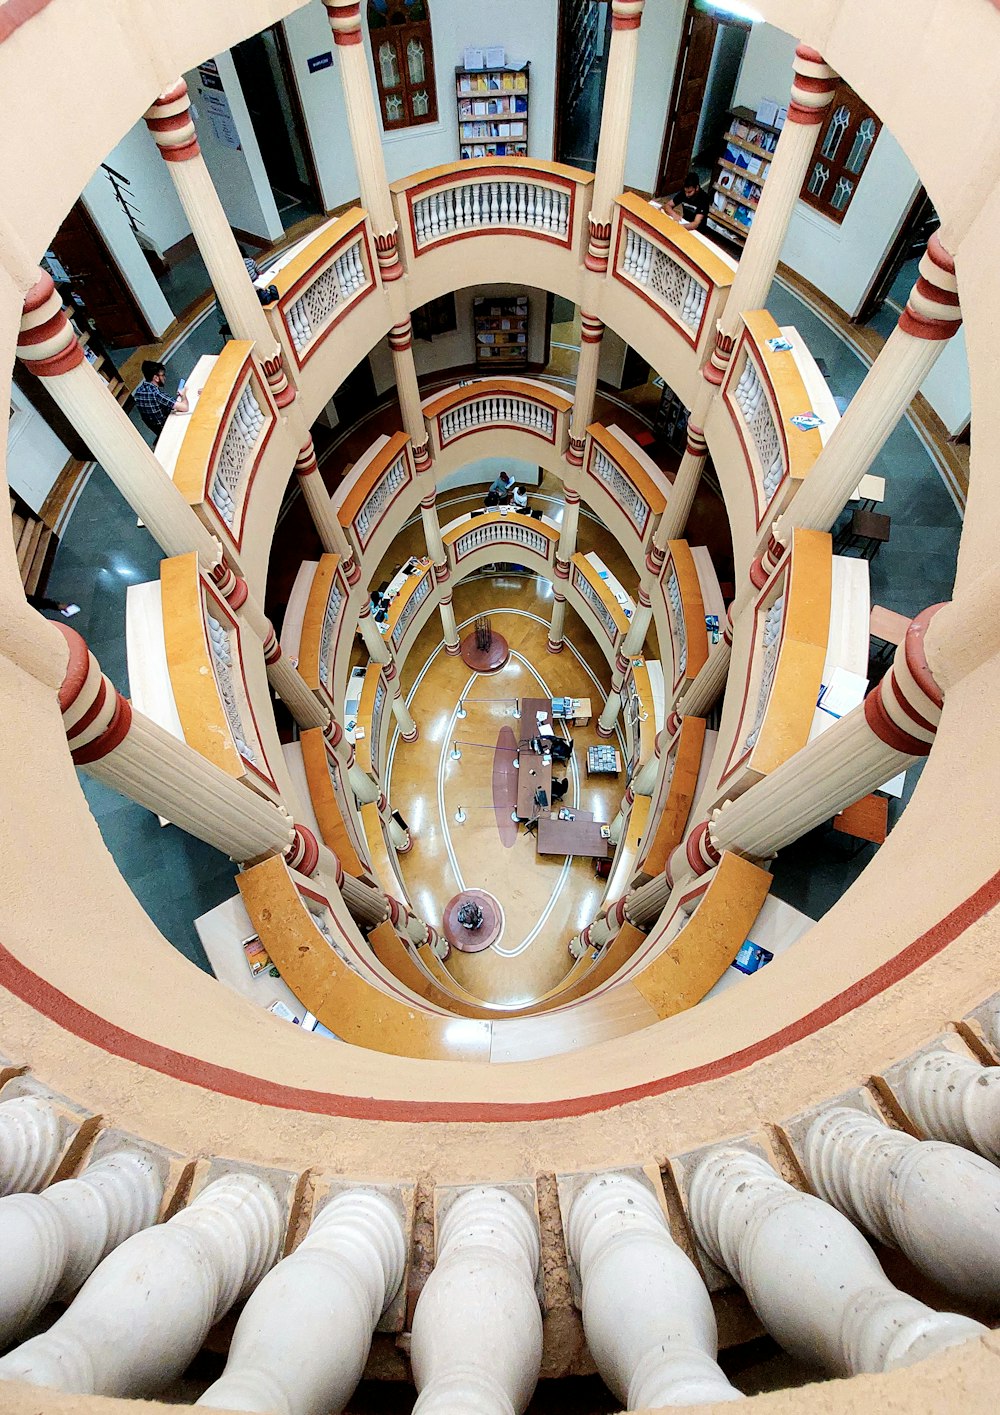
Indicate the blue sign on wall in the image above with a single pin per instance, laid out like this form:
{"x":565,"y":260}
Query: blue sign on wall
{"x":320,"y":61}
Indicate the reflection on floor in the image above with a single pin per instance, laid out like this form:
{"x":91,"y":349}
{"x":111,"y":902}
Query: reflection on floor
{"x":546,"y":899}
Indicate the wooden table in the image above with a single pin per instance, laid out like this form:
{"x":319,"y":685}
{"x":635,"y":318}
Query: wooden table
{"x":532,"y":773}
{"x":867,"y":819}
{"x":580,"y":836}
{"x":887,"y":625}
{"x":611,"y":770}
{"x":580,"y":713}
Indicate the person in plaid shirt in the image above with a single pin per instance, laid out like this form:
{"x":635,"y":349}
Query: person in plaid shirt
{"x":153,"y":404}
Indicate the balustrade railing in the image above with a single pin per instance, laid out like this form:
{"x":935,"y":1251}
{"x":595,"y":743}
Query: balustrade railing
{"x":409,"y":600}
{"x":502,"y":531}
{"x":363,"y":499}
{"x":616,"y":467}
{"x":771,"y":409}
{"x":541,"y":200}
{"x":587,"y":583}
{"x":230,"y":425}
{"x":497,"y":411}
{"x":685,"y":277}
{"x":325,"y":278}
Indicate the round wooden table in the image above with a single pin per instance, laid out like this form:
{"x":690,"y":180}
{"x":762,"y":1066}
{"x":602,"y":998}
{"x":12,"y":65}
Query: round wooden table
{"x":473,"y":940}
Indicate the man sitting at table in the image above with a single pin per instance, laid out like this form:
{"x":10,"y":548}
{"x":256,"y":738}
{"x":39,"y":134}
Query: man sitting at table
{"x":501,"y":486}
{"x":561,"y":749}
{"x":559,"y":788}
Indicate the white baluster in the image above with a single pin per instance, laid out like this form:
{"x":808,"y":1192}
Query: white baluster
{"x":521,"y":209}
{"x":449,"y":200}
{"x":810,"y":1276}
{"x":937,"y":1202}
{"x":647,"y":1315}
{"x":420,"y":220}
{"x":494,"y":205}
{"x":647,"y":262}
{"x":530,"y":204}
{"x":503,"y":203}
{"x":31,"y":1141}
{"x":564,"y":213}
{"x":628,"y":259}
{"x":303,"y":1338}
{"x":476,"y":204}
{"x":145,"y":1311}
{"x":952,"y":1097}
{"x":477,"y":1329}
{"x":465,"y":207}
{"x":52,"y":1241}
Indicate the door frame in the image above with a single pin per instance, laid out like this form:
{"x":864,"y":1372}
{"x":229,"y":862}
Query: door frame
{"x":894,"y":257}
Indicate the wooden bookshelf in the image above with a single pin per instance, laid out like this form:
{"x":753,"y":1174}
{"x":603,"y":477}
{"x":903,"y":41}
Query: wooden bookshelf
{"x":741,"y":171}
{"x":492,"y":107}
{"x":501,"y":331}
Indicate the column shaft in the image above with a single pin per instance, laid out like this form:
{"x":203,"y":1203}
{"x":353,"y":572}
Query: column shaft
{"x":616,"y":117}
{"x":585,"y":392}
{"x":317,"y":498}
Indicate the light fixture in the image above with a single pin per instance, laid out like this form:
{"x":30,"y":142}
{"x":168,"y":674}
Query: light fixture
{"x":734,"y":9}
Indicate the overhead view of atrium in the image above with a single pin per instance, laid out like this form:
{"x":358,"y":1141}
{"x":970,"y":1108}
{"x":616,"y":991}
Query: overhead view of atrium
{"x":501,"y":798}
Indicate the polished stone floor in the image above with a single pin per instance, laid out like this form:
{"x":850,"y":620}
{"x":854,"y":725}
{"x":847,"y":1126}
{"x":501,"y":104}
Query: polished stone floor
{"x":102,"y":551}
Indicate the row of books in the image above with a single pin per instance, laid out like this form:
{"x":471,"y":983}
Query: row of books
{"x":757,"y":167}
{"x":739,"y":186}
{"x":494,"y":149}
{"x":496,"y":82}
{"x":492,"y":130}
{"x":733,"y":210}
{"x":492,"y":107}
{"x":749,"y":132}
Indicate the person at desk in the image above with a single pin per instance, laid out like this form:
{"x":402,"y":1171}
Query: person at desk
{"x":153,"y":405}
{"x":520,"y":499}
{"x":501,"y":487}
{"x":689,"y":206}
{"x":559,"y":789}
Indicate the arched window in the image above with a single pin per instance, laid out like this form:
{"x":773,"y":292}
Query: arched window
{"x":404,"y":61}
{"x":843,"y":147}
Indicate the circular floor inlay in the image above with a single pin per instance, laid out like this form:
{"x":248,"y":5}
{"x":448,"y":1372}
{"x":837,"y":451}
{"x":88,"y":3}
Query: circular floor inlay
{"x":473,"y":940}
{"x":488,"y":661}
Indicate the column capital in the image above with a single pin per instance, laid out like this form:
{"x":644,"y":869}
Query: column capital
{"x":387,"y":250}
{"x":423,"y":461}
{"x":47,"y":342}
{"x":696,"y":446}
{"x":932,"y":310}
{"x":272,"y":649}
{"x":232,"y":587}
{"x":401,"y":336}
{"x":626,"y":14}
{"x":172,"y":125}
{"x":97,"y":718}
{"x":714,"y":371}
{"x":700,"y":850}
{"x":599,"y":246}
{"x":727,"y":633}
{"x":345,"y":20}
{"x":904,"y":709}
{"x":562,"y":569}
{"x":574,"y":453}
{"x":591,"y":328}
{"x":306,"y":461}
{"x":813,"y":86}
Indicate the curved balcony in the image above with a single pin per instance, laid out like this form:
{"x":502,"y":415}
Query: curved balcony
{"x":329,"y":793}
{"x":475,"y":541}
{"x":668,"y":287}
{"x":380,"y":492}
{"x":625,"y":487}
{"x":463,"y":422}
{"x":448,"y":217}
{"x":587,"y":591}
{"x":678,"y":790}
{"x":314,"y":629}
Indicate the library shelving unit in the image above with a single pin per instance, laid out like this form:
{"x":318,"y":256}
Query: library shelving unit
{"x":741,"y":173}
{"x":580,"y":28}
{"x":492,"y":112}
{"x":501,"y":328}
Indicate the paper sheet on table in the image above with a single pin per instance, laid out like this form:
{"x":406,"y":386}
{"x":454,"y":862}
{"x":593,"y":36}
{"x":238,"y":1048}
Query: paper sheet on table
{"x":842,"y":691}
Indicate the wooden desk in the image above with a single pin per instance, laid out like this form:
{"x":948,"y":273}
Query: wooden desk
{"x":887,"y":625}
{"x":579,"y":715}
{"x":580,"y":836}
{"x":531,"y":772}
{"x":595,"y":763}
{"x":867,"y":819}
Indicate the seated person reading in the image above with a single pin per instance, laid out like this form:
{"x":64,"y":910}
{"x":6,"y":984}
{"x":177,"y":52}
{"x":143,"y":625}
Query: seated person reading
{"x":689,"y":206}
{"x":502,"y":486}
{"x":561,"y":749}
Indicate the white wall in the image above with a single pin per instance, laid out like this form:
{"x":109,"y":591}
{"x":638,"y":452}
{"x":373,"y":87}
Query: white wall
{"x":843,"y":260}
{"x":526,"y":29}
{"x":138,"y":158}
{"x":238,"y":172}
{"x":659,"y":40}
{"x":35,"y":456}
{"x":111,"y":221}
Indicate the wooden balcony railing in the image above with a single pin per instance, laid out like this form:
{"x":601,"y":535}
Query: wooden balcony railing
{"x":502,"y":536}
{"x":620,"y":470}
{"x":224,"y":441}
{"x":203,"y":641}
{"x":364,"y":498}
{"x":678,"y":786}
{"x":683,"y":276}
{"x":764,"y":391}
{"x":544,"y":201}
{"x":373,"y":720}
{"x":597,"y":600}
{"x":491,"y":403}
{"x":323,"y":628}
{"x":403,"y":611}
{"x":327,"y":276}
{"x":685,"y":613}
{"x":330,"y":796}
{"x":791,"y":631}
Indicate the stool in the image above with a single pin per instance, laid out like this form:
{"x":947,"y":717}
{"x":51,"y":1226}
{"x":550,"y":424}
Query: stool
{"x":866,"y":820}
{"x":871,"y":528}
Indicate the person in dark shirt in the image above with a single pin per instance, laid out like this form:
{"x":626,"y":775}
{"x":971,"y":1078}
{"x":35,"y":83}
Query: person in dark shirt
{"x":559,"y":788}
{"x":689,"y":206}
{"x":155,"y":406}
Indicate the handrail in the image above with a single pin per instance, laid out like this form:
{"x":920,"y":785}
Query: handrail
{"x":498,"y":528}
{"x":328,"y":276}
{"x":763,"y":391}
{"x":326,"y":793}
{"x":679,"y":784}
{"x":403,"y":609}
{"x":685,"y":613}
{"x":587,"y":583}
{"x":203,"y":641}
{"x":320,"y":623}
{"x":371,"y":714}
{"x":518,"y":195}
{"x":351,"y":1007}
{"x":498,"y":402}
{"x":791,"y":630}
{"x":638,"y":687}
{"x":224,"y":442}
{"x":673,"y":269}
{"x":617,"y":471}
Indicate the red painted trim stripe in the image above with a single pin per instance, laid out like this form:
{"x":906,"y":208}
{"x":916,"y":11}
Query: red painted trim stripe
{"x":15,"y":13}
{"x":48,"y":1000}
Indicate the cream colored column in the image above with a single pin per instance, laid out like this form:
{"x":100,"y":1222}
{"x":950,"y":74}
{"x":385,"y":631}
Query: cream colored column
{"x":172,"y":125}
{"x":638,"y":628}
{"x":557,"y":627}
{"x":368,"y":904}
{"x":813,"y":85}
{"x":645,"y":904}
{"x":894,"y":727}
{"x":408,"y":392}
{"x":645,"y":778}
{"x":366,"y":132}
{"x":931,"y":317}
{"x":704,"y":689}
{"x":378,"y":649}
{"x":616,"y":118}
{"x":585,"y":390}
{"x":565,"y":550}
{"x":128,"y":751}
{"x":407,"y":727}
{"x":452,"y":642}
{"x":48,"y":346}
{"x":317,"y":498}
{"x":613,"y":702}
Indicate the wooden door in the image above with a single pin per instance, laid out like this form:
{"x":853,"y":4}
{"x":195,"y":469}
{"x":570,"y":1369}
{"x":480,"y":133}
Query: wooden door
{"x":94,"y":276}
{"x":690,"y":77}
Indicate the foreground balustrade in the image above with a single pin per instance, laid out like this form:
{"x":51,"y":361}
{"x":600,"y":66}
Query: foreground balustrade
{"x":936,"y":1202}
{"x":810,"y":1276}
{"x":145,"y":1311}
{"x":303,"y":1338}
{"x":31,"y":1142}
{"x":477,"y":1328}
{"x":51,"y":1242}
{"x":952,"y":1097}
{"x":647,"y":1314}
{"x":538,"y":411}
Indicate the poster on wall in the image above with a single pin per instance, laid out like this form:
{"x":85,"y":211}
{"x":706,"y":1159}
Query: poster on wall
{"x":216,"y":105}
